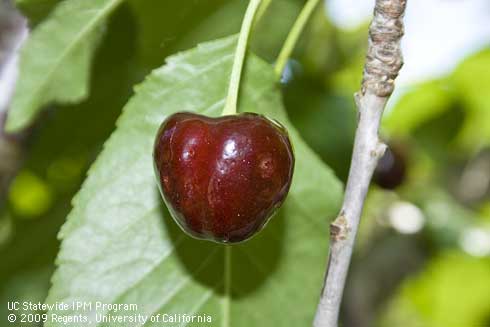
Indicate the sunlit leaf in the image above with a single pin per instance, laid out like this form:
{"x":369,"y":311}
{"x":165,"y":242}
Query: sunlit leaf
{"x":472,"y":79}
{"x":121,"y":246}
{"x":453,"y":290}
{"x":55,"y":61}
{"x":65,"y":135}
{"x":419,"y":105}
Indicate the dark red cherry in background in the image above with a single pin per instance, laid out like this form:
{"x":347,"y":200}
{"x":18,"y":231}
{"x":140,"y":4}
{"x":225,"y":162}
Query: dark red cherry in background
{"x":223,"y":178}
{"x":392,"y":167}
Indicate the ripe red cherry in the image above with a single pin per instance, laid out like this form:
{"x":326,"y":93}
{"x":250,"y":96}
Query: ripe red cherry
{"x":222,"y":178}
{"x":391,"y":169}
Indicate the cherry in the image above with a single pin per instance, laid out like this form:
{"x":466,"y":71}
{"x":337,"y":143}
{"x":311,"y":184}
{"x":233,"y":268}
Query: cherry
{"x":222,"y":178}
{"x":391,"y":169}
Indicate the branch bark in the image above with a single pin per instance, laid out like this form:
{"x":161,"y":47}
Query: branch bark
{"x":383,"y":62}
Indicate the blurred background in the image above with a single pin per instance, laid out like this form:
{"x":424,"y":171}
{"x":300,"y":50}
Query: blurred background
{"x":423,"y":250}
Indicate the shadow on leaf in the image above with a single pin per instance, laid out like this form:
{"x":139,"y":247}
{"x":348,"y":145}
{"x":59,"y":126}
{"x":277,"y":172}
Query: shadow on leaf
{"x":253,"y":262}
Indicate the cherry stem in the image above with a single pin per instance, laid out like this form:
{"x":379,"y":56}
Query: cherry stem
{"x":293,"y":36}
{"x":227,"y":286}
{"x":241,"y":49}
{"x":261,"y":11}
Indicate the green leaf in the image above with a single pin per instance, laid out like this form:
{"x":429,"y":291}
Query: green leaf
{"x":121,"y":246}
{"x":471,"y":78}
{"x":36,"y":10}
{"x":453,"y":290}
{"x":57,"y":160}
{"x":55,"y":61}
{"x":421,"y":104}
{"x":434,"y":99}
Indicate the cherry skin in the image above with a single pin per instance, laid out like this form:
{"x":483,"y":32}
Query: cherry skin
{"x":222,"y":178}
{"x":391,"y":169}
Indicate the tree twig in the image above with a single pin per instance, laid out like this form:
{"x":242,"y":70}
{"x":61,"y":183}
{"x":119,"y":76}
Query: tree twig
{"x":383,"y":62}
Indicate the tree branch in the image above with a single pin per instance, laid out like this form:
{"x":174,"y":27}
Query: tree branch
{"x":383,"y":62}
